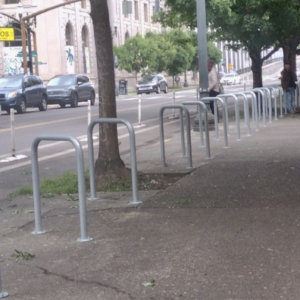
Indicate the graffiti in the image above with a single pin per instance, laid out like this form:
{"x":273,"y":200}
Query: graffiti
{"x":70,"y":59}
{"x":12,"y":63}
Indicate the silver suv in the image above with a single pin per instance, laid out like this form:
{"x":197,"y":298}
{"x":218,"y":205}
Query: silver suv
{"x":152,"y":83}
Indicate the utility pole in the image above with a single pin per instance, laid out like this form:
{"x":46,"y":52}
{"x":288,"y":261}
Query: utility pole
{"x":202,"y":48}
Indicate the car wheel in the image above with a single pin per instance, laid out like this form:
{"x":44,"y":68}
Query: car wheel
{"x":74,"y":102}
{"x":62,"y":105}
{"x":21,"y":109}
{"x":166,"y":89}
{"x":158,"y":90}
{"x":148,"y":93}
{"x":43,"y":105}
{"x":92,"y":98}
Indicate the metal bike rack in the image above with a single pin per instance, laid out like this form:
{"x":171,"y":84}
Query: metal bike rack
{"x":202,"y":107}
{"x":81,"y":183}
{"x":225,"y":118}
{"x":246,"y":112}
{"x":262,"y":100}
{"x":273,"y":90}
{"x":254,"y":108}
{"x":2,"y":293}
{"x":132,"y":154}
{"x":162,"y":142}
{"x":265,"y":89}
{"x":237,"y":113}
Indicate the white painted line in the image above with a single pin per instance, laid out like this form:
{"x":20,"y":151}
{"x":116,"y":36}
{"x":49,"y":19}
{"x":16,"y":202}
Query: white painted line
{"x":43,"y":158}
{"x":85,"y":139}
{"x":13,"y":158}
{"x":139,"y":126}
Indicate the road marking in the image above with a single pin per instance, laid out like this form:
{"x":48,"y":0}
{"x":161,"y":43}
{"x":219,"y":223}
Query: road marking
{"x":43,"y":158}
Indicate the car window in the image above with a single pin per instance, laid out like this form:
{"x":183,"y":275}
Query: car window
{"x":11,"y":82}
{"x":63,"y":80}
{"x":229,"y":75}
{"x":85,"y":79}
{"x":34,"y":81}
{"x":79,"y":80}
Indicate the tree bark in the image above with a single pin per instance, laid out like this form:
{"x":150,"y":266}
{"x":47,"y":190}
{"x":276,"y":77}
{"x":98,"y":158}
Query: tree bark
{"x":109,"y":165}
{"x":255,"y":55}
{"x":289,"y":52}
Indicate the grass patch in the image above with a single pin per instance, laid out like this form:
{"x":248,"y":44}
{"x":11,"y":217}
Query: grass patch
{"x":67,"y":183}
{"x":121,"y":186}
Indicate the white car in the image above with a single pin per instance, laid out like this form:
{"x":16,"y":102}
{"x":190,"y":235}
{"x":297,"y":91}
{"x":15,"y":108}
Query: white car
{"x":230,"y":78}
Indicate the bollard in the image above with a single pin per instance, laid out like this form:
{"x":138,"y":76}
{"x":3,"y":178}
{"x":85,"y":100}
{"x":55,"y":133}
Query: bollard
{"x":12,"y":132}
{"x":89,"y":112}
{"x":139,"y":109}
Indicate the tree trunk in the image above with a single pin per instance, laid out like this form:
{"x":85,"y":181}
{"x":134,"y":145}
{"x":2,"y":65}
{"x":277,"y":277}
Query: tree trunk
{"x":109,"y":165}
{"x":256,"y":67}
{"x":289,"y":52}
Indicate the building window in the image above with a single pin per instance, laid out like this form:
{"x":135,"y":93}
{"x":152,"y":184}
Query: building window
{"x":126,"y":35}
{"x":69,"y":35}
{"x":12,"y":1}
{"x":136,"y":10}
{"x":83,"y":4}
{"x":145,"y":12}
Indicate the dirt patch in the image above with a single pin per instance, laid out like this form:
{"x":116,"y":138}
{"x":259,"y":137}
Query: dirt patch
{"x":158,"y":181}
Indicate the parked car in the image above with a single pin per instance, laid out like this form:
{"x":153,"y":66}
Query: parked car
{"x":230,"y":78}
{"x":22,"y":91}
{"x":152,"y":83}
{"x":70,"y":89}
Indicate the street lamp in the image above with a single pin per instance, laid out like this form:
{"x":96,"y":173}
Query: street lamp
{"x":26,"y":27}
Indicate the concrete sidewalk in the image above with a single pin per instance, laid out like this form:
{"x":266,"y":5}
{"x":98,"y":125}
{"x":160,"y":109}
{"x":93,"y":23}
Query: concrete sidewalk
{"x":227,"y":230}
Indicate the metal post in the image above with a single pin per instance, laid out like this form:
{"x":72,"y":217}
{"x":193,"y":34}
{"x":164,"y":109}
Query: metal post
{"x":12,"y":132}
{"x":2,"y":293}
{"x":23,"y":34}
{"x":29,"y":49}
{"x":202,"y":107}
{"x":202,"y":48}
{"x":185,"y":84}
{"x":89,"y":112}
{"x":139,"y":109}
{"x":81,"y":183}
{"x":35,"y":49}
{"x":162,"y":140}
{"x":134,"y":176}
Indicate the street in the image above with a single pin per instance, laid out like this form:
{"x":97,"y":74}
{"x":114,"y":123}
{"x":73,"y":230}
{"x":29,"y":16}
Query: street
{"x":74,"y":121}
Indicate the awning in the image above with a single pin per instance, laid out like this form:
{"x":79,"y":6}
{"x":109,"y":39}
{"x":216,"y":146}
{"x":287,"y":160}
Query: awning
{"x":33,"y":54}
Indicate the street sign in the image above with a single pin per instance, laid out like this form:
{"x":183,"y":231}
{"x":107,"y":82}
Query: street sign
{"x":7,"y":34}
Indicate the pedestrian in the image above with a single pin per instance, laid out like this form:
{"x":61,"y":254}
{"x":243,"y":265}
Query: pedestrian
{"x":213,"y":83}
{"x":288,"y":84}
{"x":177,"y":79}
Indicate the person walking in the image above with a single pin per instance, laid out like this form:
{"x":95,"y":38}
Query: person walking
{"x":288,"y":84}
{"x":213,"y":83}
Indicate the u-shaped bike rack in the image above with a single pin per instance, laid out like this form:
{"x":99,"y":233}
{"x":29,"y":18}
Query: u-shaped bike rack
{"x":162,"y":139}
{"x":81,"y":183}
{"x":132,"y":153}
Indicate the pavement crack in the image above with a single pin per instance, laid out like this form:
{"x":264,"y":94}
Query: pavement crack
{"x":67,"y":278}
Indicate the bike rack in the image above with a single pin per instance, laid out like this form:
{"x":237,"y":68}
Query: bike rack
{"x":254,"y":108}
{"x":81,"y":183}
{"x":273,"y":90}
{"x":237,"y":113}
{"x":262,"y":100}
{"x":265,"y":89}
{"x":162,"y":142}
{"x":225,"y":118}
{"x":246,"y":111}
{"x":202,"y":107}
{"x":132,"y":154}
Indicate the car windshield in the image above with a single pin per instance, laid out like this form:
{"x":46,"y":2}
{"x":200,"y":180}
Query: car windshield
{"x":10,"y":82}
{"x":66,"y":80}
{"x":148,"y":79}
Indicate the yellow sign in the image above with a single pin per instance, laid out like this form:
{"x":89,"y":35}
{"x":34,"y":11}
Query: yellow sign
{"x":230,"y":66}
{"x":7,"y":34}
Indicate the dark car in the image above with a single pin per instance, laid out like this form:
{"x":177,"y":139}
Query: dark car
{"x":70,"y":89}
{"x":152,"y":83}
{"x":22,"y":91}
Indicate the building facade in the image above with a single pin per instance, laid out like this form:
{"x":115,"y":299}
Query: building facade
{"x":65,"y":36}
